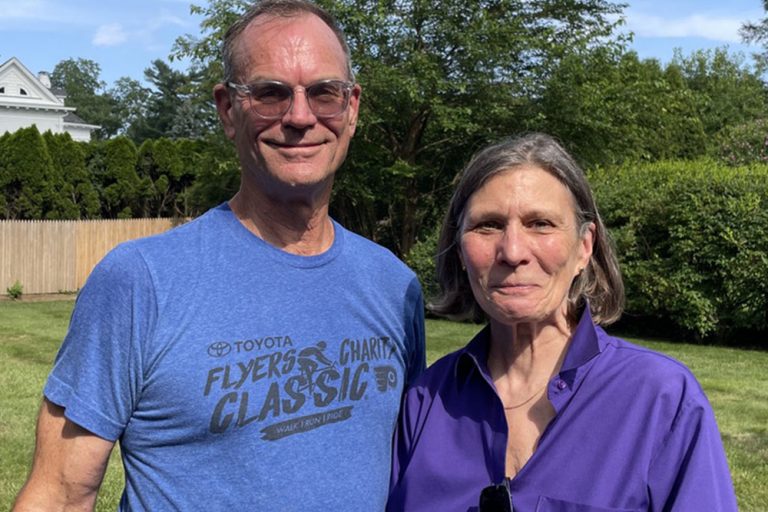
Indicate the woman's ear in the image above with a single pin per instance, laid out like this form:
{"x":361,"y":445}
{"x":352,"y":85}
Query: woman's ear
{"x":586,"y":245}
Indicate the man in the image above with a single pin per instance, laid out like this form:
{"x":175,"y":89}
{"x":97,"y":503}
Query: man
{"x":185,"y":347}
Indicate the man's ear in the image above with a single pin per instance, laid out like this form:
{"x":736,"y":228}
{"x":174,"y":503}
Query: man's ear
{"x":224,"y":107}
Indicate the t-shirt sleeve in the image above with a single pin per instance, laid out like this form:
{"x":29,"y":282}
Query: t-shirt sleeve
{"x":690,"y":473}
{"x":98,"y":372}
{"x":417,"y":361}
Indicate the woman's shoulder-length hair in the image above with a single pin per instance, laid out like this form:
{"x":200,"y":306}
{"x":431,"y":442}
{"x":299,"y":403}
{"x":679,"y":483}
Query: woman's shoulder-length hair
{"x":599,"y":284}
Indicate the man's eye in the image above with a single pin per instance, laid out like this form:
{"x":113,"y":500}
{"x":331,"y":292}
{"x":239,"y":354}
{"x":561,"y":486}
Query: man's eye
{"x":270,"y":94}
{"x":325,"y":92}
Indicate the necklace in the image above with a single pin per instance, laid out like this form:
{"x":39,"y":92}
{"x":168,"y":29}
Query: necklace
{"x":534,"y":395}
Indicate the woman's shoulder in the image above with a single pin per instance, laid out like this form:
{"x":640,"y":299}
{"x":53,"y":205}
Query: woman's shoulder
{"x":645,"y":369}
{"x":442,"y":371}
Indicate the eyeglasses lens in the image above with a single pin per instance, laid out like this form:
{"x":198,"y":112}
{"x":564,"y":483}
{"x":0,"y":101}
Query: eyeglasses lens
{"x":326,"y":99}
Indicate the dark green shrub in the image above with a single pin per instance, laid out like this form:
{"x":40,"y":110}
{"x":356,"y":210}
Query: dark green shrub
{"x":421,"y":258}
{"x":743,"y":144}
{"x":692,"y":239}
{"x":27,"y":170}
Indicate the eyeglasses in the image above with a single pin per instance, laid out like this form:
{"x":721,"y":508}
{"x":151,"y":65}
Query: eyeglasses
{"x":271,"y":99}
{"x":496,"y":498}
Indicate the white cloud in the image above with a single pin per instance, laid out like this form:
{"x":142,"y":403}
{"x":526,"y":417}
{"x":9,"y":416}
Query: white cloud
{"x":715,"y":28}
{"x":111,"y":34}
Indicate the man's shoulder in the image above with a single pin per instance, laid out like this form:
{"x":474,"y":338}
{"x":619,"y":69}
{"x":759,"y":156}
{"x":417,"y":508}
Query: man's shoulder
{"x":169,"y":249}
{"x":184,"y":237}
{"x":363,"y":249}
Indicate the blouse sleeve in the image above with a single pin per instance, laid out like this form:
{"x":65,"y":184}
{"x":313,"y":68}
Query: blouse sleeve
{"x":690,"y":472}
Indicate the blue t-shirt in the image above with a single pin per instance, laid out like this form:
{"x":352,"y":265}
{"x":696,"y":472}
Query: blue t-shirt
{"x":237,"y":376}
{"x":633,"y":431}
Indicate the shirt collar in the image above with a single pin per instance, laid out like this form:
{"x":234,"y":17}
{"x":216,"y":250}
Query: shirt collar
{"x":585,"y":344}
{"x":474,"y":356}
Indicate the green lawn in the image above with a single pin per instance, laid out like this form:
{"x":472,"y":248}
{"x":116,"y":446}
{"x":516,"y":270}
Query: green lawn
{"x":30,"y":333}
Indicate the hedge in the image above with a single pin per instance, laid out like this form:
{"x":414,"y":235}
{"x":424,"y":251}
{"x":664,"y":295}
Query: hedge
{"x":692,"y":239}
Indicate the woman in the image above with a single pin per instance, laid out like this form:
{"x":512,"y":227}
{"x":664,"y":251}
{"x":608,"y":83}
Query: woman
{"x":542,"y":410}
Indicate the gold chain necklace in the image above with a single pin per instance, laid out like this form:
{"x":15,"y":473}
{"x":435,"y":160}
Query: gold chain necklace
{"x":510,"y":407}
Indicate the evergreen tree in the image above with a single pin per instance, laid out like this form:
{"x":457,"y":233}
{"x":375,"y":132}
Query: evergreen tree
{"x":121,"y":187}
{"x":74,"y":183}
{"x":27,"y":171}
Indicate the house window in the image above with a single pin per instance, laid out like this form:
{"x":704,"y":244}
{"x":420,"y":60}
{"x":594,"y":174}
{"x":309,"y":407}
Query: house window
{"x":22,"y":92}
{"x":2,"y":90}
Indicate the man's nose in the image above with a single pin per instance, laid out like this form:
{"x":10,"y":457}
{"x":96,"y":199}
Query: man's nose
{"x":300,"y":114}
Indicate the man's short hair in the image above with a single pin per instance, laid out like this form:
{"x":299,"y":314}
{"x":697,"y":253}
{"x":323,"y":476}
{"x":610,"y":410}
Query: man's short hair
{"x":277,"y":8}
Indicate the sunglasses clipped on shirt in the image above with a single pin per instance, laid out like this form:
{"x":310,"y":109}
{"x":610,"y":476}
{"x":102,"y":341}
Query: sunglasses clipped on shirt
{"x":496,"y":498}
{"x":271,"y":99}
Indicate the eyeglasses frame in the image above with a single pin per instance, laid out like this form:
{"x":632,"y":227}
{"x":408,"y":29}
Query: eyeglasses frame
{"x":245,"y":90}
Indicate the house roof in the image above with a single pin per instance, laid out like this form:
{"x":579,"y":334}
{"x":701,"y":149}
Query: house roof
{"x":20,"y":89}
{"x":74,"y":119}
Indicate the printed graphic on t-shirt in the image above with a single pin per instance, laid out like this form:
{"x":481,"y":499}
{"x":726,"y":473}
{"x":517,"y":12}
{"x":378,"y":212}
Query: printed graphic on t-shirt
{"x":262,"y":380}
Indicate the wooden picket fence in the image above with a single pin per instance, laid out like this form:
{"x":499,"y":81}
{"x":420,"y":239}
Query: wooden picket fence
{"x":58,"y":256}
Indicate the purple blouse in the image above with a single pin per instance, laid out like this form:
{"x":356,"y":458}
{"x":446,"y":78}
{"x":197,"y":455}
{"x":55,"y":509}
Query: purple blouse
{"x":633,"y":430}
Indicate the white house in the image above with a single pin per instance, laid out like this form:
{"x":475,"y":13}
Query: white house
{"x":26,"y":99}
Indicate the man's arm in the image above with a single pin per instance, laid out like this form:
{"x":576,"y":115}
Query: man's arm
{"x":68,"y":465}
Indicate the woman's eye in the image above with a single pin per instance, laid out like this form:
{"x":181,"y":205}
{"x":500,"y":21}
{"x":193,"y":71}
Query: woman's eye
{"x":541,"y":224}
{"x":487,"y":226}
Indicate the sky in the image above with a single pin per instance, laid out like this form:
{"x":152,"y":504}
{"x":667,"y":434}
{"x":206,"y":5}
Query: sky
{"x":124,"y":37}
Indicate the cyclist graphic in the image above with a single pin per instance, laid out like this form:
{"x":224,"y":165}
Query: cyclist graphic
{"x":310,"y":359}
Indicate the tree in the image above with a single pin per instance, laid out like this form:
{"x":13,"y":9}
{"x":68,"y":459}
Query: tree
{"x":161,"y":167}
{"x":174,"y":105}
{"x":80,"y":80}
{"x":728,"y":91}
{"x":5,"y":175}
{"x":132,"y":99}
{"x":609,"y":106}
{"x":757,"y":32}
{"x":213,"y":163}
{"x":73,"y":186}
{"x":439,"y":78}
{"x":112,"y":166}
{"x":26,"y":174}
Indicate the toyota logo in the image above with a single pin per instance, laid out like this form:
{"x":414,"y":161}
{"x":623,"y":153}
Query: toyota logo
{"x":219,"y":349}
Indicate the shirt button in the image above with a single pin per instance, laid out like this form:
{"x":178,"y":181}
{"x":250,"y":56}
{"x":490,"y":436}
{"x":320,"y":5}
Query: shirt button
{"x":561,"y":385}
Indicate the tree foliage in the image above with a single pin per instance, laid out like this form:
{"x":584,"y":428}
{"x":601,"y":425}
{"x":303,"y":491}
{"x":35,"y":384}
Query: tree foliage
{"x":728,"y":92}
{"x":112,"y":165}
{"x":26,"y":179}
{"x":757,"y":32}
{"x":75,"y":194}
{"x":164,"y":178}
{"x":609,"y":106}
{"x":80,"y":79}
{"x":743,"y":144}
{"x":172,"y":104}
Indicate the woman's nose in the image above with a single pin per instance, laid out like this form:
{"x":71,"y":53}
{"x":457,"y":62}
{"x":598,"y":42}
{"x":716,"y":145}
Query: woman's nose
{"x":513,"y":248}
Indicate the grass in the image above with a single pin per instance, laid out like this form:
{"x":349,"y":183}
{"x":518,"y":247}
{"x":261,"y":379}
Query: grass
{"x":30,"y":334}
